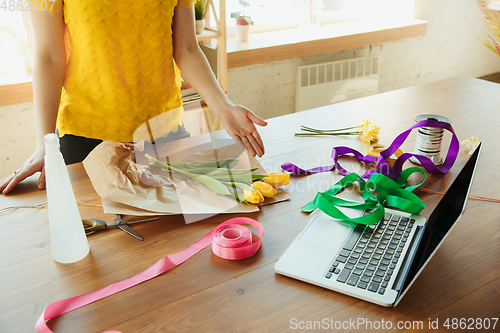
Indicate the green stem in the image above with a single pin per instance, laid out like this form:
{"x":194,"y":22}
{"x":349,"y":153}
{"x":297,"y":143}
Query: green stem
{"x":240,"y":185}
{"x":212,"y":183}
{"x":305,"y":128}
{"x":344,"y":133}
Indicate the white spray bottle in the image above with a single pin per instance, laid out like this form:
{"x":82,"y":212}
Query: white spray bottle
{"x":67,"y":236}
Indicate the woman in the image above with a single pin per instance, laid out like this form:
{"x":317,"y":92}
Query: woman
{"x":101,"y":68}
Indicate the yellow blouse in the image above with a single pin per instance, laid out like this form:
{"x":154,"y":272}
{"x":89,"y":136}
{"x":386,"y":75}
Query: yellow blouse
{"x":120,"y":71}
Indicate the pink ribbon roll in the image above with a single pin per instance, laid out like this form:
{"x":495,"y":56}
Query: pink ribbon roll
{"x":230,"y":240}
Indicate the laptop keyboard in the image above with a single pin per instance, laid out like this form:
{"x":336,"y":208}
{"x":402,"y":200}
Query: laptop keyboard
{"x":369,"y":256}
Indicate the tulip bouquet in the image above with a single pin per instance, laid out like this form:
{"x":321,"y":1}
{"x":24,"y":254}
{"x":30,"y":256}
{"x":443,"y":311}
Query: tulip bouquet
{"x":221,"y":177}
{"x":367,"y":131}
{"x":267,"y":187}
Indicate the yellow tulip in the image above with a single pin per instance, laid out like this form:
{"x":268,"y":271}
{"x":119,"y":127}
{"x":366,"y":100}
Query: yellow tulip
{"x":265,"y":189}
{"x":369,"y":131}
{"x":471,"y":144}
{"x":277,"y":178}
{"x":253,"y":196}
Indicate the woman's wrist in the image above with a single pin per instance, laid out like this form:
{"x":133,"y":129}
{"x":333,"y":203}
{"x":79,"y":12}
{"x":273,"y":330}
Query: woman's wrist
{"x":221,"y":107}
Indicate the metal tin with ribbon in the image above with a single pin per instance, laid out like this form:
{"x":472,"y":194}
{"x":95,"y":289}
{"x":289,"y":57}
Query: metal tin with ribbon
{"x":429,"y":139}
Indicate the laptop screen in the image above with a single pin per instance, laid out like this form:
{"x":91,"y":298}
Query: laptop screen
{"x":443,"y":217}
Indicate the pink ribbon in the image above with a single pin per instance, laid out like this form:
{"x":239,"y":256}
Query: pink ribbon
{"x":230,"y":240}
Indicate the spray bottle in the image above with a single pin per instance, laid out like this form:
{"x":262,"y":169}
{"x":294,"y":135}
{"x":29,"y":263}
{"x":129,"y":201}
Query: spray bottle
{"x":67,"y":235}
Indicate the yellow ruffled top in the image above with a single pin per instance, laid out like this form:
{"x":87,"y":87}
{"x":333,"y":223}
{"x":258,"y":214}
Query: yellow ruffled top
{"x":120,"y":70}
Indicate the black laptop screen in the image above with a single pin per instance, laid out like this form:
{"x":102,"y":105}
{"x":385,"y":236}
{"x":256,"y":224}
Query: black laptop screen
{"x":443,"y":217}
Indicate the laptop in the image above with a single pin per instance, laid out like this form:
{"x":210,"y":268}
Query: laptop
{"x":376,"y":263}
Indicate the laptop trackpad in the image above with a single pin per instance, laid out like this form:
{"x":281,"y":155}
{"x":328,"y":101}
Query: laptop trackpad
{"x":326,"y":232}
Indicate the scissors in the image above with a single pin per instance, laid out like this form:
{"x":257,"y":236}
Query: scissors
{"x":92,"y":225}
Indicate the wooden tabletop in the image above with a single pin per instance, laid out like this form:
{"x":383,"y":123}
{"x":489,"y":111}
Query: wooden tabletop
{"x":209,"y":294}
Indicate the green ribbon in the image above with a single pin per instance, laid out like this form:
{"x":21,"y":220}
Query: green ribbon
{"x":391,"y":193}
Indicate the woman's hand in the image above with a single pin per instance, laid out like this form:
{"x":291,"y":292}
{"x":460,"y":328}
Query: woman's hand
{"x":33,"y":164}
{"x":239,"y":124}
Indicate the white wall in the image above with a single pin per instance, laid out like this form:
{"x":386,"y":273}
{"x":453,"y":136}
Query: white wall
{"x":450,"y":48}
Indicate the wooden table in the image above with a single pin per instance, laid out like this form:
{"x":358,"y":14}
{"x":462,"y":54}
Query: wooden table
{"x":207,"y":293}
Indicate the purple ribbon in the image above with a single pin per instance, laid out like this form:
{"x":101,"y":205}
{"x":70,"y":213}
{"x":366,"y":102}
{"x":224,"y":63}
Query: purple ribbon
{"x":382,"y":164}
{"x":341,"y":150}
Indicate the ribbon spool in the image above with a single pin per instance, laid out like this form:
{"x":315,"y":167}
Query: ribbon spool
{"x":429,"y":140}
{"x":234,"y":241}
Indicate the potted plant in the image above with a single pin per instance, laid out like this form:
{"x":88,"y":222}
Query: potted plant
{"x":200,"y":7}
{"x":243,"y":22}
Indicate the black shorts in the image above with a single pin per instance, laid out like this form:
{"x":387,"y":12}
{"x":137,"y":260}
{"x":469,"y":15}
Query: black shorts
{"x":75,"y":148}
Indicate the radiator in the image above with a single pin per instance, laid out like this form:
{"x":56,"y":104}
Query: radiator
{"x":334,"y":82}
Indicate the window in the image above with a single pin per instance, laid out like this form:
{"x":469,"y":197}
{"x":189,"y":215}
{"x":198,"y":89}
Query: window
{"x":14,"y":52}
{"x":494,"y":4}
{"x":271,"y":15}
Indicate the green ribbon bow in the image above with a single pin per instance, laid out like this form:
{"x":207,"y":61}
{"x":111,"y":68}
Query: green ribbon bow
{"x":391,"y":193}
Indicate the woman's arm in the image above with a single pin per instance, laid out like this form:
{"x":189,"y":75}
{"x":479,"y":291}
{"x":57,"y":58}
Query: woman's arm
{"x":48,"y":70}
{"x":237,"y":120}
{"x":48,"y":75}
